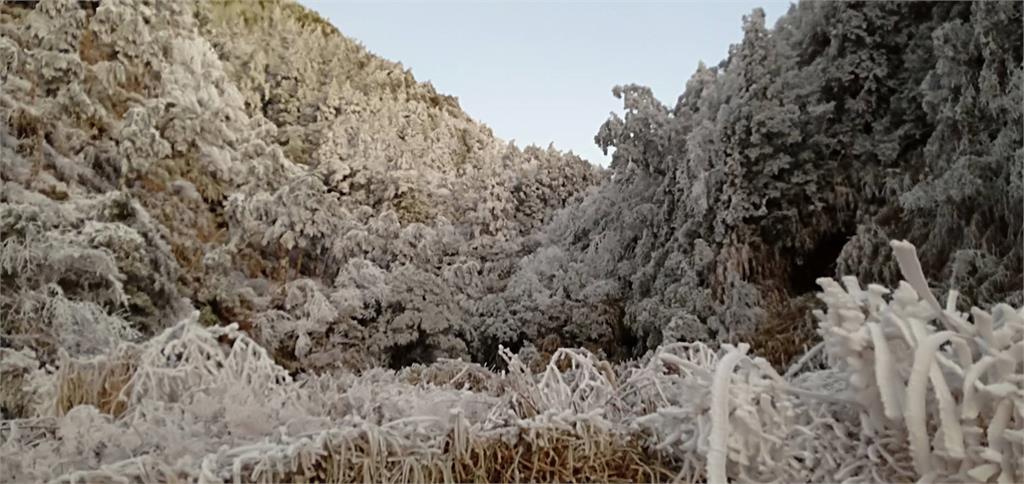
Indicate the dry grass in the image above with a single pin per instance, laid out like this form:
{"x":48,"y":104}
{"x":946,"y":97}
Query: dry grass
{"x":373,"y":454}
{"x":92,"y":51}
{"x":559,"y":456}
{"x":787,"y":332}
{"x":99,"y":382}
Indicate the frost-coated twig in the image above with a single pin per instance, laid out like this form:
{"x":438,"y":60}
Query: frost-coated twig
{"x":808,"y":356}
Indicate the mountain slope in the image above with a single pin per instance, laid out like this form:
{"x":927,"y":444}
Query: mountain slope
{"x":246,"y":160}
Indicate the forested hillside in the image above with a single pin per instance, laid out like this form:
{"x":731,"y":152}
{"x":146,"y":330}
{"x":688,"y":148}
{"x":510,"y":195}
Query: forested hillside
{"x":800,"y":156}
{"x":235,"y":245}
{"x":161,"y":158}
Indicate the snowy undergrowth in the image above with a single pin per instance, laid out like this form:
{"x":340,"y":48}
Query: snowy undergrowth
{"x":911,"y":390}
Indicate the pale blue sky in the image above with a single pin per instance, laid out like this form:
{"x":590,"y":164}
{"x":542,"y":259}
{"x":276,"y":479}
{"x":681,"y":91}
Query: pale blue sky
{"x":542,"y":72}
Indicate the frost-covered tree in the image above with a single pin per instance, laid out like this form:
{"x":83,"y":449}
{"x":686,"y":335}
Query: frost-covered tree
{"x":801,"y":155}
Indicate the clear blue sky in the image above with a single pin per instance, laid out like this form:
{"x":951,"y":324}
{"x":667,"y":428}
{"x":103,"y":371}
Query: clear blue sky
{"x":542,"y":72}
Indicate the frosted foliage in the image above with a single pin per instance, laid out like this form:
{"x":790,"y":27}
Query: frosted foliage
{"x":799,"y":156}
{"x":88,"y":259}
{"x":943,"y":377}
{"x":911,"y":390}
{"x":241,"y":180}
{"x":394,"y":174}
{"x":76,"y":270}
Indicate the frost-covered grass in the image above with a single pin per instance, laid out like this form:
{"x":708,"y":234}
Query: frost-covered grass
{"x":908,"y":390}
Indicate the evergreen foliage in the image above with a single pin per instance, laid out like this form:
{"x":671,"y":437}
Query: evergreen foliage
{"x":800,"y":156}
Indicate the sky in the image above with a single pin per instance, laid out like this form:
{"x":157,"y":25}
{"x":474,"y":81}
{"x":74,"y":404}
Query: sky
{"x":543,"y":72}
